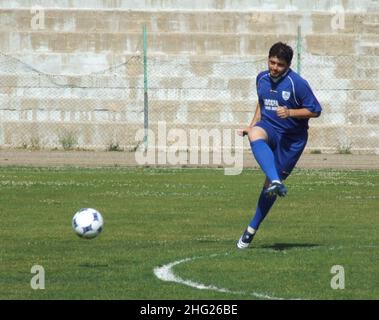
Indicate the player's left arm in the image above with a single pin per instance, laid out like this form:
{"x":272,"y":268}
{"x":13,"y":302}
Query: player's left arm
{"x":302,"y":113}
{"x":308,"y":105}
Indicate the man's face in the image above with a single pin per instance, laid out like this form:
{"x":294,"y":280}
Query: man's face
{"x":277,"y":66}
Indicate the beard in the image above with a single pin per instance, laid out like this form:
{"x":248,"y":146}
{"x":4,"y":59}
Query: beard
{"x":279,"y":76}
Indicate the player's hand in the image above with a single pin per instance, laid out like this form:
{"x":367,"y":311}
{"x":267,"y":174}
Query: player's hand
{"x":283,"y":112}
{"x":243,"y":132}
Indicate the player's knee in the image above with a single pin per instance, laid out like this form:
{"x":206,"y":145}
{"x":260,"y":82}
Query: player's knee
{"x":257,"y":133}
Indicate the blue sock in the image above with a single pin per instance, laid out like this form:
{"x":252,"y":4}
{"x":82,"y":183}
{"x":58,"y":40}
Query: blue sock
{"x":265,"y":158}
{"x":264,"y":205}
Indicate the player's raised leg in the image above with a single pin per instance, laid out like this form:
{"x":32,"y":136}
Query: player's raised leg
{"x":263,"y":154}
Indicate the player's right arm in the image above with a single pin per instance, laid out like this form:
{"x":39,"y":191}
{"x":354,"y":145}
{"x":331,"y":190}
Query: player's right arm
{"x":256,"y":118}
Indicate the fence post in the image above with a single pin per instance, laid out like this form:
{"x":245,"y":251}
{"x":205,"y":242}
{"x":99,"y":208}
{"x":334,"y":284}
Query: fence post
{"x":298,"y":49}
{"x":145,"y":96}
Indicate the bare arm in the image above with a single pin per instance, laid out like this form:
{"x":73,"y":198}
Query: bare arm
{"x":257,"y":116}
{"x":302,"y":113}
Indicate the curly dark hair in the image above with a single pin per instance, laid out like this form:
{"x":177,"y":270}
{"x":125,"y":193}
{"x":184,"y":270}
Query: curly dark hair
{"x":281,"y":51}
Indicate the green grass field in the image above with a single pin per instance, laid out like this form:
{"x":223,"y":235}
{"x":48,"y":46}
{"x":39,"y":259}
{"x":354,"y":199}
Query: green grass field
{"x":154,"y":217}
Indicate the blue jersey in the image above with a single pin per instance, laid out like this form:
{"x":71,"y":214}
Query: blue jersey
{"x":291,"y":91}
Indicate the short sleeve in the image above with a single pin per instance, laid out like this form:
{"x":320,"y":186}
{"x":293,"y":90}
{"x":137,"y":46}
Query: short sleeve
{"x":306,"y":98}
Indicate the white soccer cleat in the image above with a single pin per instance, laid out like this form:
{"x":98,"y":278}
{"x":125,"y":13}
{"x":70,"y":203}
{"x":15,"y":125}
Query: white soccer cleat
{"x":245,"y":240}
{"x":276,"y":189}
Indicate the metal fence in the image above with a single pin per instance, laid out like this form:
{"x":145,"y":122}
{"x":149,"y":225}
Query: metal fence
{"x":104,"y":110}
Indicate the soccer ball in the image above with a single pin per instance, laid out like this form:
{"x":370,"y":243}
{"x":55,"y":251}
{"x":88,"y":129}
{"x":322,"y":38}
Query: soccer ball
{"x":87,"y":223}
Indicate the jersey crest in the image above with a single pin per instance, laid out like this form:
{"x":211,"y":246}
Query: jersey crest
{"x":286,"y":95}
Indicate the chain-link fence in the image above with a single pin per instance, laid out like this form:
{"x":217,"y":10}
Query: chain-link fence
{"x":100,"y":110}
{"x":347,"y":88}
{"x":104,"y":110}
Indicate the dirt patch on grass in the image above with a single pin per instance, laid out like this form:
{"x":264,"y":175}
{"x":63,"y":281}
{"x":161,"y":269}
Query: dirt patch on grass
{"x":128,"y":159}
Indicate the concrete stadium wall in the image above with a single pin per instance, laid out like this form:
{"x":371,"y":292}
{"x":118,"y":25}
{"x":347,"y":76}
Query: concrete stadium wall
{"x":61,"y":80}
{"x":233,"y":5}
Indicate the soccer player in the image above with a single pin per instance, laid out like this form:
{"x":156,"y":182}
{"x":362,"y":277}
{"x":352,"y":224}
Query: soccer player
{"x":278,"y":131}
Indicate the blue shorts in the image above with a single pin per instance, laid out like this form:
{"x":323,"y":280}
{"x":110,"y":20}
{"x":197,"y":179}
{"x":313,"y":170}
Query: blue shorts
{"x":287,"y":148}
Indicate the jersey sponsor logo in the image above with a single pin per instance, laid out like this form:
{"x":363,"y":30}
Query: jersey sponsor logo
{"x":271,"y":104}
{"x":286,"y":95}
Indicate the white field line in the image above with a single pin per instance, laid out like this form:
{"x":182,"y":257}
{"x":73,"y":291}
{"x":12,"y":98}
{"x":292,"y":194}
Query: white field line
{"x":166,"y":273}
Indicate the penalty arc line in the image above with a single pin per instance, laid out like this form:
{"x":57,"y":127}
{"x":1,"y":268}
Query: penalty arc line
{"x":166,"y":273}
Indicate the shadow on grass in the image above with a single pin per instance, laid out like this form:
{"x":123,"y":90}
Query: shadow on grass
{"x":93,"y":265}
{"x":289,"y":246}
